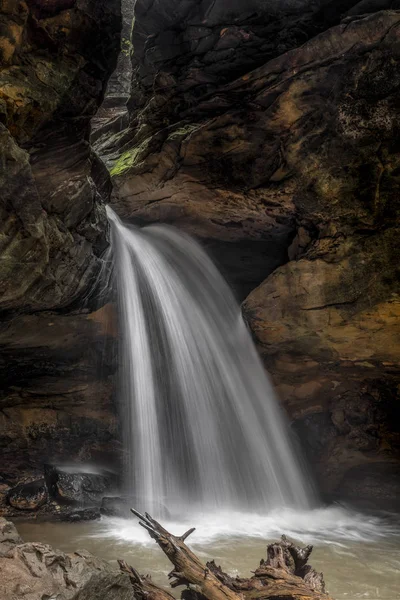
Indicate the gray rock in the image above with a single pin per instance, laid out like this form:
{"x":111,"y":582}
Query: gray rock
{"x":28,"y":496}
{"x":36,"y":571}
{"x":9,"y":537}
{"x":71,"y":485}
{"x":84,"y":514}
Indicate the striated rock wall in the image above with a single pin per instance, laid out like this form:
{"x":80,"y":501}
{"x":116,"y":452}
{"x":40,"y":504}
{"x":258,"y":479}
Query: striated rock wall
{"x":198,"y":152}
{"x":113,"y":117}
{"x":57,"y":402}
{"x":56,"y":58}
{"x":279,"y":151}
{"x":266,"y":129}
{"x":55,"y":395}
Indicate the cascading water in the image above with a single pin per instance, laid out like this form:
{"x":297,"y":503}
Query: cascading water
{"x":202,"y":425}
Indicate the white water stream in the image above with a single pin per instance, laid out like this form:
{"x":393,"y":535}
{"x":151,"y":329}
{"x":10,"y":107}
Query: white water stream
{"x":203,"y":428}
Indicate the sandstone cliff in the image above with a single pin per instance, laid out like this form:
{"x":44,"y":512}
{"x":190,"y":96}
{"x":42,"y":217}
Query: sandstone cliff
{"x":56,"y":58}
{"x":270,"y":134}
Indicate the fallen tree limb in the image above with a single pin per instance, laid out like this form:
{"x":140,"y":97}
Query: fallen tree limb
{"x":143,"y":587}
{"x":284,"y":575}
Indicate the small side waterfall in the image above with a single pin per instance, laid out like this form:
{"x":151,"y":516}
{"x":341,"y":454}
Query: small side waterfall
{"x":203,"y":428}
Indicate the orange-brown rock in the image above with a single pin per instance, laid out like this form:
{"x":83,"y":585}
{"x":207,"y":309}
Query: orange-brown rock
{"x":240,"y":166}
{"x":327,"y":322}
{"x":56,"y":58}
{"x":289,"y":173}
{"x":56,"y":397}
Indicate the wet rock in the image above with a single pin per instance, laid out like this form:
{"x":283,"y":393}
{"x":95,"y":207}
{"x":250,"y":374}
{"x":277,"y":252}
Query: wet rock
{"x":85,"y":514}
{"x":57,"y":400}
{"x":56,"y":59}
{"x":113,"y":117}
{"x":72,"y":485}
{"x":190,"y":49}
{"x":36,"y":571}
{"x":369,"y":6}
{"x":316,"y":430}
{"x":120,"y":506}
{"x":54,"y":227}
{"x":28,"y":496}
{"x":220,"y":170}
{"x":288,"y":171}
{"x":9,"y":538}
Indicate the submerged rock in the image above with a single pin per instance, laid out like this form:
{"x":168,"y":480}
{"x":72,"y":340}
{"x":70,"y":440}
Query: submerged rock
{"x":28,"y":496}
{"x":84,"y":514}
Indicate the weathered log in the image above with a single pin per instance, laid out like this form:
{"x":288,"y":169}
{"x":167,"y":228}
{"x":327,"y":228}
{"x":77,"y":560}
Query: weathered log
{"x":143,"y":587}
{"x":285,"y":574}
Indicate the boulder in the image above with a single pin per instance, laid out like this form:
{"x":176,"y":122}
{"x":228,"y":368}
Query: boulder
{"x":36,"y":571}
{"x":78,"y":486}
{"x":9,"y":538}
{"x":28,"y":496}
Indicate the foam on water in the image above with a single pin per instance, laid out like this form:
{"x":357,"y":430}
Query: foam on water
{"x":329,"y":525}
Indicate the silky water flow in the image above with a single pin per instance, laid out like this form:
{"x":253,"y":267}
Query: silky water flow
{"x":203,"y":428}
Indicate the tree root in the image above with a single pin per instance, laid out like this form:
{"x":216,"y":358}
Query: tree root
{"x":284,"y":575}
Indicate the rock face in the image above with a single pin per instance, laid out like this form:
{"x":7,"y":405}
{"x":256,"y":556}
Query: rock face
{"x":277,"y":147}
{"x":56,"y":58}
{"x":55,"y":394}
{"x":113,"y":117}
{"x":328,"y":321}
{"x":200,"y":153}
{"x":37,"y":571}
{"x":57,"y":400}
{"x":266,"y":129}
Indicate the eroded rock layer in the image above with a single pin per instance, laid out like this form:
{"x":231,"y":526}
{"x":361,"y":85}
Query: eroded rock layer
{"x":204,"y":157}
{"x":56,"y":59}
{"x":287,"y":166}
{"x":55,"y":395}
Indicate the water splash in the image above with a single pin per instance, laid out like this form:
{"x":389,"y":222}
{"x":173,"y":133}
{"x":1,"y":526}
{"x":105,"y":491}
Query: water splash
{"x":202,"y":426}
{"x":331,"y":525}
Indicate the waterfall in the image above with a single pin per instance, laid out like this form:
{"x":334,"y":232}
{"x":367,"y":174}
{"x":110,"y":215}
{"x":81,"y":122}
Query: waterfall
{"x":203,"y":428}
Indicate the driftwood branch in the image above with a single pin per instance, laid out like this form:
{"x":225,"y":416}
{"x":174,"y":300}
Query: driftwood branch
{"x":143,"y":587}
{"x":284,"y":574}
